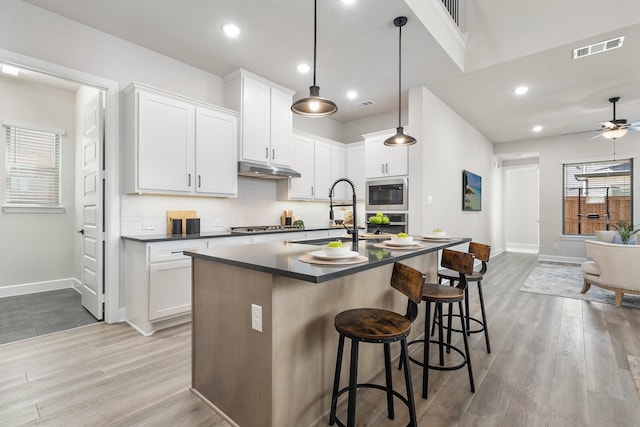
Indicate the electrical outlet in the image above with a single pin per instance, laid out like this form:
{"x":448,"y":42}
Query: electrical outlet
{"x":148,"y":226}
{"x":256,"y":317}
{"x":429,"y":200}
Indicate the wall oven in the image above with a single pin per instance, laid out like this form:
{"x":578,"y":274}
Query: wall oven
{"x":397,"y":223}
{"x":389,"y":194}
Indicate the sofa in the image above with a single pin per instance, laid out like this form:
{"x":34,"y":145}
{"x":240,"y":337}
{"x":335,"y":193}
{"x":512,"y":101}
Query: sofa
{"x":611,"y":266}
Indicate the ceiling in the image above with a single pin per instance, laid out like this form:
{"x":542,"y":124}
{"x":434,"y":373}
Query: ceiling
{"x":507,"y":44}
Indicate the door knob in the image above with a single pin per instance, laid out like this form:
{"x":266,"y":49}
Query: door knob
{"x":81,"y":232}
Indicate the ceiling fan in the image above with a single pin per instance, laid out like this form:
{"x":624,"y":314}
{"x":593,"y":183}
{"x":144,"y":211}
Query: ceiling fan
{"x":616,"y":128}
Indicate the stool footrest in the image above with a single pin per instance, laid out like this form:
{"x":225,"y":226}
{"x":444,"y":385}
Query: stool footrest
{"x":402,"y":398}
{"x":440,"y":367}
{"x":469,"y":331}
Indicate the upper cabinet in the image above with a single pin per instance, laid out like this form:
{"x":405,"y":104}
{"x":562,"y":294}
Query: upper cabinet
{"x":176,"y":145}
{"x":320,"y":162}
{"x":356,"y":171}
{"x":383,"y":161}
{"x":266,"y":119}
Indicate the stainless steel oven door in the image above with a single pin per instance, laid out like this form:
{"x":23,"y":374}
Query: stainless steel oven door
{"x":389,"y":194}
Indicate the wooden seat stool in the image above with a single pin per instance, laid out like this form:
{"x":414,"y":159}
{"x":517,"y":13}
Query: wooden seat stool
{"x":481,"y":252}
{"x":372,"y":325}
{"x":443,"y":294}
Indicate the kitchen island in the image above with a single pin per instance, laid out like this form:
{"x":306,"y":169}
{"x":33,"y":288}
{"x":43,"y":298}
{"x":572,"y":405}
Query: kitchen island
{"x":283,"y":374}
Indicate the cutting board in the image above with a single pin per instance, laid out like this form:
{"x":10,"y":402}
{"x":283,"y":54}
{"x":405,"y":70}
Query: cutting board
{"x":183,"y":215}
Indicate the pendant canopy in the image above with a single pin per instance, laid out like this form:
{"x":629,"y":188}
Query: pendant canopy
{"x":400,"y":138}
{"x":314,"y":105}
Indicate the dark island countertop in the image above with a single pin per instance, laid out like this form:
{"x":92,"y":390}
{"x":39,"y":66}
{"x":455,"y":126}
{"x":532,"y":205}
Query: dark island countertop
{"x":281,"y":258}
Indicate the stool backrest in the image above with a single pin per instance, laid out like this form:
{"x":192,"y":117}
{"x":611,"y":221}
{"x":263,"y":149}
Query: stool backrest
{"x":481,"y":252}
{"x":458,"y":261}
{"x":409,"y":281}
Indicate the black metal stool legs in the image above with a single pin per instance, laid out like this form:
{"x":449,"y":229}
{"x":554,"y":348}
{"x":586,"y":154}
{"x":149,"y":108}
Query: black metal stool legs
{"x":466,"y":349}
{"x":336,"y":381}
{"x":484,"y":318}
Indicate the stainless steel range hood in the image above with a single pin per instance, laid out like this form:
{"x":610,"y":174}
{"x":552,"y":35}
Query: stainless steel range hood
{"x":256,"y":170}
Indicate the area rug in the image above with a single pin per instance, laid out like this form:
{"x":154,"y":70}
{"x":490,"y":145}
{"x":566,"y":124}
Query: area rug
{"x":566,"y":281}
{"x":634,"y":365}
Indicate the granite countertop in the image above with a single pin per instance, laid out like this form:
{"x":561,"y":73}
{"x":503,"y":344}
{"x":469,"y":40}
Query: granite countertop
{"x":281,"y":258}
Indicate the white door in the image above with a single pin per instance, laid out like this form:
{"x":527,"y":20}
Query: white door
{"x":92,"y":198}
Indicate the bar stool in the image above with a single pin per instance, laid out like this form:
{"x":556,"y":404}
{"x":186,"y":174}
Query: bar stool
{"x":481,"y":252}
{"x":372,"y":325}
{"x":439,"y":294}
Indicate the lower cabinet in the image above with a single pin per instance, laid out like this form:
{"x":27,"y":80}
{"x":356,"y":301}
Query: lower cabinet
{"x":158,"y":284}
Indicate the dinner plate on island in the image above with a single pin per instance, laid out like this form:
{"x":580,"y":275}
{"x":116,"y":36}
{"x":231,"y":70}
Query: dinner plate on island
{"x":436,"y":237}
{"x":323,"y":255}
{"x":400,"y":242}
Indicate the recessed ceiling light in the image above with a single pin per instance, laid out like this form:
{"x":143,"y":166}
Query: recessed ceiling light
{"x":348,"y":2}
{"x":10,"y":69}
{"x":521,"y":90}
{"x":536,"y":128}
{"x":352,"y":94}
{"x":303,"y":68}
{"x":231,"y":30}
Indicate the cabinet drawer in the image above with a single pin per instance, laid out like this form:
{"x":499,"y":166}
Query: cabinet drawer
{"x":169,"y":251}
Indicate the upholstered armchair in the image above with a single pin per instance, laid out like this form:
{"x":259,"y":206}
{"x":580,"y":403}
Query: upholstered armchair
{"x":612,"y":266}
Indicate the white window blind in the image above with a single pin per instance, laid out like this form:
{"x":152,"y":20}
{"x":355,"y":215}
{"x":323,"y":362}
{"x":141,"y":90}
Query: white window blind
{"x":32,"y":166}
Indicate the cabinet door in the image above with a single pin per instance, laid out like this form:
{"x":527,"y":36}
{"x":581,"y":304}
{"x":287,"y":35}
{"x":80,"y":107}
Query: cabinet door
{"x":303,"y":155}
{"x":281,"y":126}
{"x":375,"y":158}
{"x":397,"y":161}
{"x":255,"y":119}
{"x":169,"y":288}
{"x":165,"y":144}
{"x":216,"y":155}
{"x":338,"y":170}
{"x":322,"y":180}
{"x":355,"y":169}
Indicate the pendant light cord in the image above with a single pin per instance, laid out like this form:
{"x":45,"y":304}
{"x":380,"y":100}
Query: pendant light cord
{"x":400,"y":76}
{"x":315,"y":31}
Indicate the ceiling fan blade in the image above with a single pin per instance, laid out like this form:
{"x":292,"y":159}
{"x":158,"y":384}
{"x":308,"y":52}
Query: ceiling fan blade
{"x":609,"y":125}
{"x":597,"y":136}
{"x":580,"y":131}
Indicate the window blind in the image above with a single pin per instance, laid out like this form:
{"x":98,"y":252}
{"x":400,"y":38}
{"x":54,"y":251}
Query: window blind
{"x":32,"y":166}
{"x":597,"y":195}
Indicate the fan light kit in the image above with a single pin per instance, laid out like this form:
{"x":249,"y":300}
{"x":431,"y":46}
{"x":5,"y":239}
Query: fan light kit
{"x":616,"y":128}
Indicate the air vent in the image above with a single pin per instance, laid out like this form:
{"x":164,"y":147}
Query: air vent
{"x":365,"y":103}
{"x":598,"y":47}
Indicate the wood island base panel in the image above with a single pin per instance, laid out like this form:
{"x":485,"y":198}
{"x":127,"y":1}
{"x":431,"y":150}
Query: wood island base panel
{"x":283,"y":376}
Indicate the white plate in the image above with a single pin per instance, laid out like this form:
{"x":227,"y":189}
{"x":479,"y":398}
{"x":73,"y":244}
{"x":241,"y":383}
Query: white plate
{"x":398,"y":243}
{"x":432,"y":237}
{"x":322,"y":255}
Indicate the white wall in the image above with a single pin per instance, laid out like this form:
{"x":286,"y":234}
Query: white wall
{"x":38,"y":247}
{"x":553,"y":152}
{"x":446,"y":146}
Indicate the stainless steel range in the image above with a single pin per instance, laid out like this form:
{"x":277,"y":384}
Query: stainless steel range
{"x":263,"y":229}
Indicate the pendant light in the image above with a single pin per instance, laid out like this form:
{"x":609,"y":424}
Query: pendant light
{"x":314,"y":105}
{"x":400,"y":139}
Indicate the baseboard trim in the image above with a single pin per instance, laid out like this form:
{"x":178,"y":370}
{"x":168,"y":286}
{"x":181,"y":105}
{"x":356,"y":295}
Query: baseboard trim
{"x":562,"y":259}
{"x":32,"y":288}
{"x":523,"y":247}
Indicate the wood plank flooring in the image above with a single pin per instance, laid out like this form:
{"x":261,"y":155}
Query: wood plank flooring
{"x":554,"y":362}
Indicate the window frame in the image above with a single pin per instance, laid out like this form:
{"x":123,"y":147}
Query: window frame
{"x":593,"y":165}
{"x":53,"y":138}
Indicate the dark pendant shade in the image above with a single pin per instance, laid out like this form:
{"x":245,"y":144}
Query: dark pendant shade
{"x":314,"y":105}
{"x":400,"y":139}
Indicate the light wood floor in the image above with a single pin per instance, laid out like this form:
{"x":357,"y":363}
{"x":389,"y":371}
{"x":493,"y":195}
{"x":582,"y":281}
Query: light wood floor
{"x":554,"y":362}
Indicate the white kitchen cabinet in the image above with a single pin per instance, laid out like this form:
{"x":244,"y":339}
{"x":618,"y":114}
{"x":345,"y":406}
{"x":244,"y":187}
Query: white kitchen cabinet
{"x":301,"y":188}
{"x":266,"y":119}
{"x":228,"y":241}
{"x":356,"y":168}
{"x":320,"y":162}
{"x":383,"y":161}
{"x":158,"y":283}
{"x":176,"y":145}
{"x":322,"y":171}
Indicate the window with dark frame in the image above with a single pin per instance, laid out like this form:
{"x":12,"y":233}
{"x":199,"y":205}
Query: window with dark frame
{"x":596,"y":196}
{"x":32,"y":166}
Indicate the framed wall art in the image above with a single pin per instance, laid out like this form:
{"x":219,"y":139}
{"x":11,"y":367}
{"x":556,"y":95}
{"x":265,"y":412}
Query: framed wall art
{"x":471,"y":191}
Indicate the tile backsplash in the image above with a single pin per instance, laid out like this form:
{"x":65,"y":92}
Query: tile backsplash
{"x":256,"y":204}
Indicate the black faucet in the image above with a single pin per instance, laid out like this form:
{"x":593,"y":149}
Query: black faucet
{"x":354,"y":231}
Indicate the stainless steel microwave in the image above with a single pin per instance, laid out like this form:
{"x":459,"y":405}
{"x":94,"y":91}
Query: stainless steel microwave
{"x":389,"y":194}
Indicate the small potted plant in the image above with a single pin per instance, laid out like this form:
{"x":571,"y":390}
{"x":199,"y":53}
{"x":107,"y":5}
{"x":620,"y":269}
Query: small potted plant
{"x":625,"y":230}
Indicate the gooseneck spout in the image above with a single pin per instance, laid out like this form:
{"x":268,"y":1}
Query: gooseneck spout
{"x":353,"y":232}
